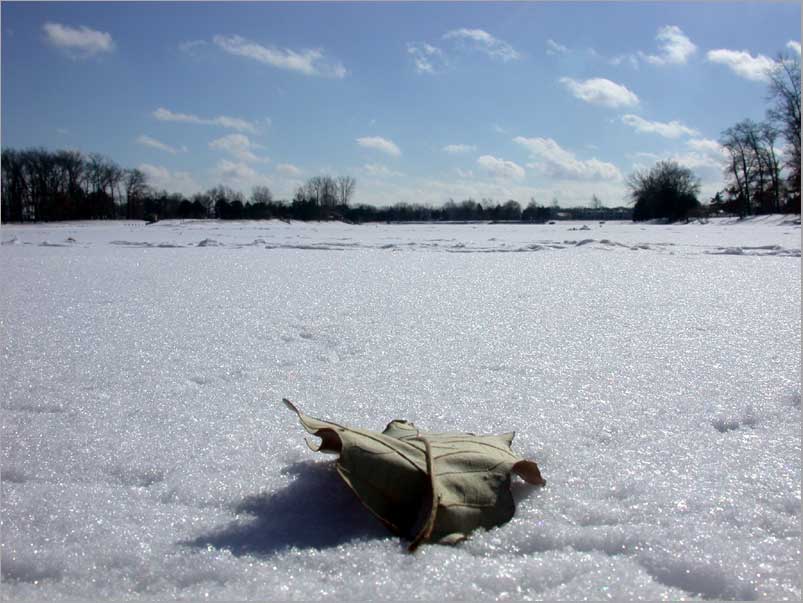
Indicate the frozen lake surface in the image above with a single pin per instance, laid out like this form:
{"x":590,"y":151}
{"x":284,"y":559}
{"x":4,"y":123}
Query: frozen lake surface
{"x":653,"y":373}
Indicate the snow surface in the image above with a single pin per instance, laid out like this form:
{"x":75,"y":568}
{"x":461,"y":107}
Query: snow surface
{"x":653,"y":372}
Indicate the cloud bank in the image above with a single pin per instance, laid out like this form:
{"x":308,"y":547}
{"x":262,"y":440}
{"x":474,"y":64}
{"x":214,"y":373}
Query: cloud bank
{"x":556,"y":162}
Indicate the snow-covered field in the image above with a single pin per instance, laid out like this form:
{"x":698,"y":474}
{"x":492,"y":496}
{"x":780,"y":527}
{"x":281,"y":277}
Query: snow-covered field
{"x":652,"y":371}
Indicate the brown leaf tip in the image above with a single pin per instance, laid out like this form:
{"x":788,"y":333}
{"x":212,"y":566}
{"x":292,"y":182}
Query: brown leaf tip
{"x":529,"y":472}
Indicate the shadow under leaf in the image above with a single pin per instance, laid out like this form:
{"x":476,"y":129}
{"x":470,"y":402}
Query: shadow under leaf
{"x":521,"y":490}
{"x":316,"y":510}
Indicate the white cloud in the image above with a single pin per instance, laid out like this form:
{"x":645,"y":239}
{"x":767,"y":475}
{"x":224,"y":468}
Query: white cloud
{"x":672,"y":129}
{"x":640,"y":156}
{"x":288,"y":169}
{"x":600,"y":91}
{"x":232,"y":123}
{"x":794,"y":46}
{"x":161,"y":178}
{"x":500,"y":168}
{"x":704,"y":154}
{"x":708,"y":147}
{"x":630,"y":59}
{"x":466,"y":174}
{"x":707,"y":154}
{"x":238,"y":146}
{"x":192,"y":47}
{"x":676,"y":48}
{"x":380,"y":144}
{"x":743,"y":64}
{"x":379,"y":170}
{"x":695,"y":161}
{"x":80,"y":42}
{"x":553,"y":48}
{"x":158,"y":144}
{"x":483,"y":41}
{"x":455,"y":149}
{"x":309,"y":61}
{"x":557,"y":162}
{"x":239,"y":175}
{"x":427,"y":58}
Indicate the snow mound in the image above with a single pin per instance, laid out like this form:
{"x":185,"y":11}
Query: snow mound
{"x":761,"y":250}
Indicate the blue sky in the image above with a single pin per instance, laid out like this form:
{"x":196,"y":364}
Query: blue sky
{"x":419,"y":102}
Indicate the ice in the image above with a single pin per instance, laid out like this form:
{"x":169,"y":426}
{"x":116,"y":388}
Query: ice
{"x":146,"y":454}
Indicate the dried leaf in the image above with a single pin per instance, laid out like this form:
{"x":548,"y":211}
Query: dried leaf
{"x":426,"y":487}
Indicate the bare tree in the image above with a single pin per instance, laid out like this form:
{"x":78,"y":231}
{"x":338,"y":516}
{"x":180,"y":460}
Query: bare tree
{"x":38,"y":165}
{"x":314,"y":190}
{"x":204,"y":200}
{"x":15,"y":186}
{"x":135,"y":189}
{"x":345,"y":189}
{"x":322,"y":191}
{"x":95,"y":172}
{"x":115,"y":178}
{"x":754,"y":167}
{"x":328,"y":191}
{"x":785,"y":94}
{"x":768,"y":135}
{"x":741,"y":165}
{"x":750,"y":132}
{"x":72,"y":164}
{"x":261,"y":194}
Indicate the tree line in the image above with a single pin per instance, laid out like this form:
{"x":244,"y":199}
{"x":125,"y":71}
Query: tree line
{"x":470,"y":210}
{"x":761,"y":176}
{"x":41,"y":186}
{"x":320,"y":198}
{"x":764,"y":177}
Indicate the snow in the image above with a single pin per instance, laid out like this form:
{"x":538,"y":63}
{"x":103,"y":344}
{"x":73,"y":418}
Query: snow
{"x":652,"y":371}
